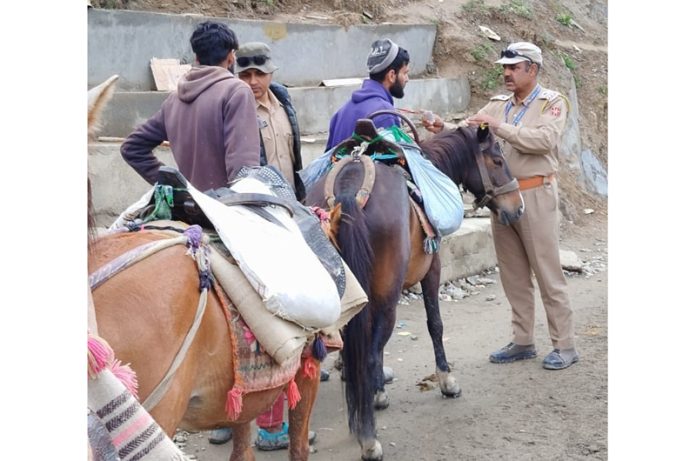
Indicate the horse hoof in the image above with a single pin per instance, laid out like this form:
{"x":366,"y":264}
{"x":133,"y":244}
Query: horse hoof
{"x":381,"y":400}
{"x":452,"y":394}
{"x":448,"y":385}
{"x":373,"y":452}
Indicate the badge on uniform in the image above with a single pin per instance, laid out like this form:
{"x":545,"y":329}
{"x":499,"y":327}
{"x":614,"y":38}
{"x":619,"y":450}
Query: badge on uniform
{"x":556,"y":111}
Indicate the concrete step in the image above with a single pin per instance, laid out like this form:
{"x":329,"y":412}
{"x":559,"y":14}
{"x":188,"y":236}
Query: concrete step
{"x":314,"y":105}
{"x":312,"y":146}
{"x":306,"y":54}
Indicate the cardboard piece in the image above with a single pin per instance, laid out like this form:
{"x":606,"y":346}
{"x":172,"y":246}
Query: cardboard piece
{"x":167,"y":73}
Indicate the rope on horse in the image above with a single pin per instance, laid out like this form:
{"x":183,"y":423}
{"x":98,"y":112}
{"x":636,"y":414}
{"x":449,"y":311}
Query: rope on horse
{"x":199,"y":250}
{"x":129,"y":258}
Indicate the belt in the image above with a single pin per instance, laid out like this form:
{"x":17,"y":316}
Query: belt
{"x":534,"y":181}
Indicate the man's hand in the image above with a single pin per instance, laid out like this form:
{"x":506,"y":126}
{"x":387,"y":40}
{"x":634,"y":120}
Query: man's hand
{"x":478,"y":119}
{"x":432,"y":122}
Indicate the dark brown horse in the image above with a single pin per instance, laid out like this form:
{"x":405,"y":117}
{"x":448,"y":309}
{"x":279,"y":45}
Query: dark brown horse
{"x":382,"y":244}
{"x":145,"y":311}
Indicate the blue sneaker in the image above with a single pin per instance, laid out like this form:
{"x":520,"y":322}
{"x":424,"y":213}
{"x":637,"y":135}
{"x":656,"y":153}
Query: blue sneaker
{"x":560,"y":359}
{"x":513,"y":352}
{"x":269,"y":441}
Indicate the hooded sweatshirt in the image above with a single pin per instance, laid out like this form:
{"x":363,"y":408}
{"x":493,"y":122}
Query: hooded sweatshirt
{"x":371,"y":97}
{"x":210,"y":123}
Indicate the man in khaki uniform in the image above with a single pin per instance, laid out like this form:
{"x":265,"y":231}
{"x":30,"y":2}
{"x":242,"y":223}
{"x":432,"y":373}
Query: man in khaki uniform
{"x":529,"y":124}
{"x":279,"y":129}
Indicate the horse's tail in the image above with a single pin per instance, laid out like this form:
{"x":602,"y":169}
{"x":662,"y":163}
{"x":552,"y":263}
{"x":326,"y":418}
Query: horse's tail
{"x":355,"y":248}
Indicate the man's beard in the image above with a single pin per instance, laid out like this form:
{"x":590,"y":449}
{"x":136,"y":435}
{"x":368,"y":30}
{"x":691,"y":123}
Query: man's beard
{"x":397,"y":89}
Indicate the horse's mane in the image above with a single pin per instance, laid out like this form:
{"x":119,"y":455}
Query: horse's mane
{"x":450,"y":151}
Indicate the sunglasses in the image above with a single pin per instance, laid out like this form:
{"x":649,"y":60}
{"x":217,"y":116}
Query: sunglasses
{"x":513,"y":54}
{"x":259,"y":60}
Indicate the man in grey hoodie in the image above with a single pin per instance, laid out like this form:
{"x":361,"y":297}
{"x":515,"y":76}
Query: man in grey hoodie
{"x":210,"y":121}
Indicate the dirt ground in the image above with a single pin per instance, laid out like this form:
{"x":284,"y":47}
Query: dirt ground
{"x":516,"y":411}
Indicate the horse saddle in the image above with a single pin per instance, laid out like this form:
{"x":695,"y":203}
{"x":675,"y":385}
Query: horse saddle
{"x":184,"y":208}
{"x":366,"y":131}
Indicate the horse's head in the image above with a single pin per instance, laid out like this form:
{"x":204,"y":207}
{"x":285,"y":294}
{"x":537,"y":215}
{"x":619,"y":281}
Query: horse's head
{"x":490,"y":181}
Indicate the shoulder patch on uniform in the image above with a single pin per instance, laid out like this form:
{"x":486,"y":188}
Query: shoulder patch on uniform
{"x":549,"y":94}
{"x":500,"y":97}
{"x":554,"y":103}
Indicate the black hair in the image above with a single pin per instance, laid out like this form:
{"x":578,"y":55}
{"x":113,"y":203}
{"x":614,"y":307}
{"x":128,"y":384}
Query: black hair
{"x":212,"y":42}
{"x":402,"y":58}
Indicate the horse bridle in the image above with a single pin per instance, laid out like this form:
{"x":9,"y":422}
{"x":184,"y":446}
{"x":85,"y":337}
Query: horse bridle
{"x":491,"y":191}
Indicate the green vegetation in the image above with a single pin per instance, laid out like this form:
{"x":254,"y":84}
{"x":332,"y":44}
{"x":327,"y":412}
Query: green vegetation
{"x":603,"y":90}
{"x":492,"y":78}
{"x":474,"y":6}
{"x":564,"y":19}
{"x":481,"y":51}
{"x":568,"y":61}
{"x":518,"y":7}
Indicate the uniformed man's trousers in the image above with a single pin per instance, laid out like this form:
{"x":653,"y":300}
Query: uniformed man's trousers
{"x":532,"y":244}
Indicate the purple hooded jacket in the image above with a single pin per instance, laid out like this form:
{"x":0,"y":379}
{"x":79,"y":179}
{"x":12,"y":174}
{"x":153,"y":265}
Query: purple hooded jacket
{"x":210,"y":123}
{"x":371,"y":97}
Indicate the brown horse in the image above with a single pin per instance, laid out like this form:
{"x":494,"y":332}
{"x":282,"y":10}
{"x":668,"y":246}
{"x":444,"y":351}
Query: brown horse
{"x":145,"y":312}
{"x":382,"y":244}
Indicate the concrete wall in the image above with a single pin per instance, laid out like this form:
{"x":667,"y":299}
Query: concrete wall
{"x":314,"y":105}
{"x":123,"y":42}
{"x":467,"y":251}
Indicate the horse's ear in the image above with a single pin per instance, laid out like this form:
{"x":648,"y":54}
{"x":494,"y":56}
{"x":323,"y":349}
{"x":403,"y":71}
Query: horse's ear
{"x":97,"y":98}
{"x":482,"y":132}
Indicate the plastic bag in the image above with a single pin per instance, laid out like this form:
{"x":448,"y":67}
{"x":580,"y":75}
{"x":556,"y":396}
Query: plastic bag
{"x":441,"y":197}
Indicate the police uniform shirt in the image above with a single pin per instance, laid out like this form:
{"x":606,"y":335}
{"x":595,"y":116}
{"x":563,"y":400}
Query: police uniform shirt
{"x":530,"y":131}
{"x":276,"y":134}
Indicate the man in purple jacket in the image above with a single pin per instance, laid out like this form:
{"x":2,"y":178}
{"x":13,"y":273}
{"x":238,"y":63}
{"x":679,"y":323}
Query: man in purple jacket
{"x":210,"y":121}
{"x":388,"y":67}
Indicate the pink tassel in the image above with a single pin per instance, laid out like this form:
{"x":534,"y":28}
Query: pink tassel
{"x":126,"y":375}
{"x":99,"y":354}
{"x":233,"y":406}
{"x":310,"y":368}
{"x":293,"y":395}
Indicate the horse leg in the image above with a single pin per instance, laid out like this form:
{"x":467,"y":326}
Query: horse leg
{"x":384,"y":320}
{"x":241,"y":443}
{"x":308,"y":387}
{"x":430,"y":285}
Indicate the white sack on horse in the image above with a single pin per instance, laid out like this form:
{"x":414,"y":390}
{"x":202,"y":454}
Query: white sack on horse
{"x":275,"y":259}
